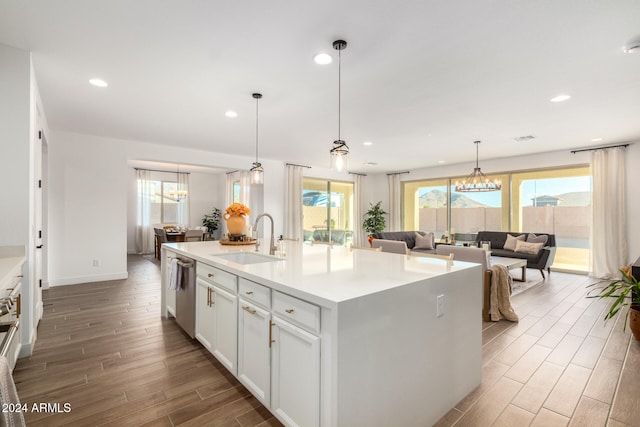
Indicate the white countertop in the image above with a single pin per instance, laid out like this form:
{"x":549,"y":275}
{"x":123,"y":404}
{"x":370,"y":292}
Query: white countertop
{"x":323,"y":275}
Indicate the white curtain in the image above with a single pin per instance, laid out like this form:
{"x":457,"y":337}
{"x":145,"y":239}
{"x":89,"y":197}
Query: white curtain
{"x":359,"y":238}
{"x":608,"y":218}
{"x":395,"y":199}
{"x":182,"y":214}
{"x":293,"y":203}
{"x":145,"y":236}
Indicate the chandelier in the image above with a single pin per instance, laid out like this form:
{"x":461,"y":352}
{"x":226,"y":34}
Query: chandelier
{"x":340,"y":149}
{"x":477,"y":181}
{"x":178,"y":194}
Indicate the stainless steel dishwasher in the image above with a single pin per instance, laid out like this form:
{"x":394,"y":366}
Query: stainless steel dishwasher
{"x":186,"y":295}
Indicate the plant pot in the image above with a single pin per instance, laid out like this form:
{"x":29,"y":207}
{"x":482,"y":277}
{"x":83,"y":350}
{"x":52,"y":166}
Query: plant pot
{"x":634,"y":321}
{"x":370,"y":240}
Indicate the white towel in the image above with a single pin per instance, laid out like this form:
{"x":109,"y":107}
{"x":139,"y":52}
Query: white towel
{"x":9,"y":396}
{"x":174,"y":277}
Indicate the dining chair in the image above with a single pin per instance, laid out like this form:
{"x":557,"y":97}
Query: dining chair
{"x":391,"y":246}
{"x":193,"y":235}
{"x":364,"y":248}
{"x":428,"y":255}
{"x":161,"y":237}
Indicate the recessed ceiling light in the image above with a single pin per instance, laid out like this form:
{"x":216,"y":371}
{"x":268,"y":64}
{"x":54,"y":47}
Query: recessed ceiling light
{"x":596,"y":139}
{"x":560,"y":98}
{"x":441,"y":161}
{"x":98,"y":82}
{"x":231,"y":114}
{"x":323,"y":59}
{"x":371,"y":163}
{"x":367,"y":143}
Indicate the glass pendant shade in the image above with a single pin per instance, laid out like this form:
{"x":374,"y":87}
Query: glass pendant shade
{"x":339,"y":155}
{"x":257,"y":173}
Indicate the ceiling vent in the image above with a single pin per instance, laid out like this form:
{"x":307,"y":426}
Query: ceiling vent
{"x":524,"y":138}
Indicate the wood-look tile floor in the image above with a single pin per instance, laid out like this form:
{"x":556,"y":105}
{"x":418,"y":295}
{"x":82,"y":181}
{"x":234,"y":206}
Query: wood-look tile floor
{"x":103,"y":348}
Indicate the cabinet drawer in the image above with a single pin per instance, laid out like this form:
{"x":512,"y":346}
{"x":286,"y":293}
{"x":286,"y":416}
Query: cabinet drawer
{"x":297,"y":311}
{"x":216,"y":276}
{"x":255,"y":292}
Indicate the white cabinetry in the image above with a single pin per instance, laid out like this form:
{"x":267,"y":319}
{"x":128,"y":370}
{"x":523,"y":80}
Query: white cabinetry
{"x":253,"y":350}
{"x":216,"y":314}
{"x":295,"y":364}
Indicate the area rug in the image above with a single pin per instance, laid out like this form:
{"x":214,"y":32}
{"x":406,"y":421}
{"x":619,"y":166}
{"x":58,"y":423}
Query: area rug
{"x":532,"y":280}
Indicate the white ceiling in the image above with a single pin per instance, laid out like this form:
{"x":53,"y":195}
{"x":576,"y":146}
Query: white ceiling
{"x":421,"y":79}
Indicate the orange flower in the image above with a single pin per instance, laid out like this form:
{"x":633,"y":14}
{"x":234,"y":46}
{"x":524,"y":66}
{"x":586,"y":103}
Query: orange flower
{"x":238,"y":209}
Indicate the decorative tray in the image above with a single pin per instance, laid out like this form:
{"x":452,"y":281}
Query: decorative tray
{"x":233,"y":243}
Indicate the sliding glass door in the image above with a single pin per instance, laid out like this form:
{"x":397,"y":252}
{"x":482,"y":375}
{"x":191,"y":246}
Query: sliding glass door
{"x":327,"y":208}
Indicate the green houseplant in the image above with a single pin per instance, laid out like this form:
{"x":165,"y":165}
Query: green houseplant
{"x":374,"y":221}
{"x":212,"y":220}
{"x":624,"y":292}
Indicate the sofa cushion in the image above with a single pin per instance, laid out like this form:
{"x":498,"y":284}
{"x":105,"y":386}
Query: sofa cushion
{"x":532,"y":238}
{"x":531,"y":258}
{"x":424,"y":242}
{"x":510,"y":244}
{"x":528,"y":247}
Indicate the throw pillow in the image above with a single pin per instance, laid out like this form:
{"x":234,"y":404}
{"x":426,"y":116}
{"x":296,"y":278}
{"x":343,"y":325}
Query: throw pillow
{"x":532,"y":238}
{"x":424,"y":242}
{"x":528,"y":247}
{"x":510,"y":244}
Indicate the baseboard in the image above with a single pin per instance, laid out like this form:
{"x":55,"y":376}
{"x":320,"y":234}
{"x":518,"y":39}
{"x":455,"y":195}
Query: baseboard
{"x":88,"y":279}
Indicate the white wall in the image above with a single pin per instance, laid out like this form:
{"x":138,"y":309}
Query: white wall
{"x":92,"y":206}
{"x":532,"y":161}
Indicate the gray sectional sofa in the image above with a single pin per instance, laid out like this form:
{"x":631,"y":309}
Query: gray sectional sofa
{"x":541,"y":261}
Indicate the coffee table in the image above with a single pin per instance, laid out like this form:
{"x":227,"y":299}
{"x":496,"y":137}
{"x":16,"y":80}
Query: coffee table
{"x":511,"y":264}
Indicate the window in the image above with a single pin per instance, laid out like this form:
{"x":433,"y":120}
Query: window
{"x":236,"y":191}
{"x":554,"y":201}
{"x":327,"y":209}
{"x":164,"y":208}
{"x":558,"y":202}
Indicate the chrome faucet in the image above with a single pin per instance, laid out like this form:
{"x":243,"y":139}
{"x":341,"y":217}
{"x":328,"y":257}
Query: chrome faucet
{"x":272,"y":247}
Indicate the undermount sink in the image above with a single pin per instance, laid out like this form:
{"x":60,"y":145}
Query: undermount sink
{"x":245,"y":258}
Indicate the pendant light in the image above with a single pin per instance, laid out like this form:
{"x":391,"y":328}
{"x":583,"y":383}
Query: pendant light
{"x":257,"y":172}
{"x":477,"y":181}
{"x":340,"y":149}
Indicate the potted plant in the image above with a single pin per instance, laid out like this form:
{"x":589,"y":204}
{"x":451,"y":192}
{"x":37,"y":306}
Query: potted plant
{"x":625,"y":292}
{"x":374,"y":221}
{"x":212,"y":221}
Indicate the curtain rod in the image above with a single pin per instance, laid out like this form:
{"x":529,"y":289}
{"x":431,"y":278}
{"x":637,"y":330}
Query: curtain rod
{"x":356,"y":173}
{"x":598,"y":148}
{"x":397,"y":173}
{"x":229,"y":173}
{"x":302,"y":166}
{"x":158,"y":170}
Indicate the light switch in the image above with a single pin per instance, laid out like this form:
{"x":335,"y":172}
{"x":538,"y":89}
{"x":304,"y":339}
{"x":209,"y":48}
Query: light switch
{"x":440,"y":306}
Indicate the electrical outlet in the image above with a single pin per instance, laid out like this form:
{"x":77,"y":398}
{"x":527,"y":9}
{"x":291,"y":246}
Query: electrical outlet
{"x":440,"y":306}
{"x":96,"y":262}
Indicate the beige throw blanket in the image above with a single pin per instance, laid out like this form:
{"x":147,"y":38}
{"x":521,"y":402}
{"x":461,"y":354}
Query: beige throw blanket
{"x":500,"y":300}
{"x":9,"y":397}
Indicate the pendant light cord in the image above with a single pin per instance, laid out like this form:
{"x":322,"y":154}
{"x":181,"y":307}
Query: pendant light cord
{"x":339,"y":90}
{"x":257,"y":129}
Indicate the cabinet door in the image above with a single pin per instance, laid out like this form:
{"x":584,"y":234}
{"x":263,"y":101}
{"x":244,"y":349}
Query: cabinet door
{"x":295,"y":374}
{"x":253,"y":350}
{"x":205,"y":319}
{"x":225,"y":344}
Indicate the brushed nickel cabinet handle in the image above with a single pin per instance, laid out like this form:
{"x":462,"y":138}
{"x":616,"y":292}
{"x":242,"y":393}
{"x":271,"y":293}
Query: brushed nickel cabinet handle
{"x":210,"y":275}
{"x":248,"y":310}
{"x":208,"y":297}
{"x":271,"y":340}
{"x":249,"y":292}
{"x":289,"y":310}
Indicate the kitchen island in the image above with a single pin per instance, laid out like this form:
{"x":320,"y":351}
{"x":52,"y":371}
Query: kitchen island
{"x":332,"y":337}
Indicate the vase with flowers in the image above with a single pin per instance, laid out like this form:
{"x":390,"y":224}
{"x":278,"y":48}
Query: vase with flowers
{"x":624,"y":292}
{"x":234,"y":215}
